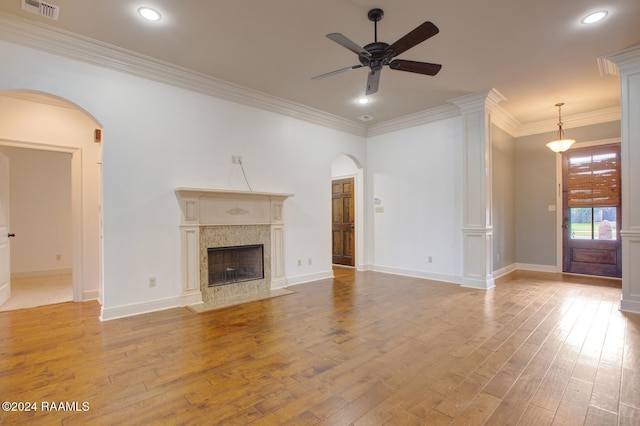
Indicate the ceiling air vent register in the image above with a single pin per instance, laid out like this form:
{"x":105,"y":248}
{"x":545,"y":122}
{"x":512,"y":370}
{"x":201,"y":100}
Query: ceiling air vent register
{"x":41,"y":8}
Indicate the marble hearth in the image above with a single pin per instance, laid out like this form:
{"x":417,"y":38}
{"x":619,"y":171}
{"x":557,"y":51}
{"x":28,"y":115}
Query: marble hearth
{"x":213,"y":218}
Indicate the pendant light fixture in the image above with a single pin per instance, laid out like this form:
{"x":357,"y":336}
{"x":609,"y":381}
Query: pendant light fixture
{"x":561,"y":144}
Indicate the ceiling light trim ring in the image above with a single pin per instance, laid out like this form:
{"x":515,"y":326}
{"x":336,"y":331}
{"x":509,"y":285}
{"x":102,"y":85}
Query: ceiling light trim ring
{"x":594,"y":17}
{"x":149,"y":14}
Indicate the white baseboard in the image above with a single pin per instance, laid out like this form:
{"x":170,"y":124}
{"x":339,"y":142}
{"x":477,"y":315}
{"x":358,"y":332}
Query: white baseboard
{"x":91,"y":295}
{"x":486,"y":284}
{"x":632,"y":306}
{"x":5,"y":292}
{"x":536,"y":268}
{"x":417,"y":274}
{"x":362,"y":267}
{"x":504,"y":270}
{"x":301,"y":279}
{"x":35,"y":274}
{"x":139,"y":308}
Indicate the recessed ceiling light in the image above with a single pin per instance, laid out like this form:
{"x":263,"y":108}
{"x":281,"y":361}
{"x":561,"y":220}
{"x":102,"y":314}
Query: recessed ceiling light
{"x":149,"y":14}
{"x":594,"y":17}
{"x":363,"y":101}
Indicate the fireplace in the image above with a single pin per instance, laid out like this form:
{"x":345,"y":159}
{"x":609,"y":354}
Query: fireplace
{"x":215,"y":221}
{"x":228,"y":265}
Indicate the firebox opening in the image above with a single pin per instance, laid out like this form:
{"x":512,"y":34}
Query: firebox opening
{"x":229,"y":265}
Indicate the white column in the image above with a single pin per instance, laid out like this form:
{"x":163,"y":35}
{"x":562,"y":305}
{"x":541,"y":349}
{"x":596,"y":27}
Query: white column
{"x":477,"y":227}
{"x":628,"y":62}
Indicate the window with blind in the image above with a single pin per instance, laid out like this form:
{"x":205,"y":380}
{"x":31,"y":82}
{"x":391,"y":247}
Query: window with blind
{"x":593,"y":192}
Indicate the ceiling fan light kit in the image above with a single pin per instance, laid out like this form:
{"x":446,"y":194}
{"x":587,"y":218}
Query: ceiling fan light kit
{"x":376,"y":55}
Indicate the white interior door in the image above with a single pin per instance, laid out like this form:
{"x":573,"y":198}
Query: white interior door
{"x":5,"y":271}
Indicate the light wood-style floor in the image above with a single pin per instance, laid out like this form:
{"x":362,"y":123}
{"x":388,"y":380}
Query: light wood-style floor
{"x":363,"y":349}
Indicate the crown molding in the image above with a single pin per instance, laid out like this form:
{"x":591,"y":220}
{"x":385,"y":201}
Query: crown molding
{"x":74,"y":46}
{"x":483,"y":100}
{"x":501,"y":118}
{"x":606,"y":67}
{"x":424,"y":117}
{"x":570,"y":121}
{"x":624,"y":59}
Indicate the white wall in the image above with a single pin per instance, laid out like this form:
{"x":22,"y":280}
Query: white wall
{"x":40,"y":209}
{"x":416,"y":173}
{"x":157,"y":138}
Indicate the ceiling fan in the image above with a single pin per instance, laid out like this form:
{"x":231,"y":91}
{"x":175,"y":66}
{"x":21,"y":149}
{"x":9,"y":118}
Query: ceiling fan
{"x":378,"y":54}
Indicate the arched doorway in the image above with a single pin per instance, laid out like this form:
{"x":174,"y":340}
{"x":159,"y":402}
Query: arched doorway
{"x":347,"y":212}
{"x":44,"y":124}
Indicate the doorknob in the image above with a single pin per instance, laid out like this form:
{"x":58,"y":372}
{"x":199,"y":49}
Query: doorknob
{"x":11,"y":235}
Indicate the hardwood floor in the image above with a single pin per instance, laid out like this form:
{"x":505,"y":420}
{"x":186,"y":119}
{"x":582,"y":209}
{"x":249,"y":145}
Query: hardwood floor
{"x":363,"y":349}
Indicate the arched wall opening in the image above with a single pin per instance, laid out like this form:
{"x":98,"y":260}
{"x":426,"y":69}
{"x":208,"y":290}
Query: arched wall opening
{"x":344,"y":167}
{"x":39,"y":121}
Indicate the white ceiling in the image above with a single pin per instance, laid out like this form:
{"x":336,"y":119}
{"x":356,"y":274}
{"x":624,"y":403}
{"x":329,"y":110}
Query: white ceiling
{"x":535,"y":53}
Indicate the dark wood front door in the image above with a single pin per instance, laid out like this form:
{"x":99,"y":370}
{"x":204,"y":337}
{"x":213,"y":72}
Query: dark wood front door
{"x":342,"y":208}
{"x":591,"y":211}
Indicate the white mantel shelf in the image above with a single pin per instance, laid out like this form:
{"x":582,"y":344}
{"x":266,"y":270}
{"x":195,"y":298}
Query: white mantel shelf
{"x":202,"y":207}
{"x":203,"y":192}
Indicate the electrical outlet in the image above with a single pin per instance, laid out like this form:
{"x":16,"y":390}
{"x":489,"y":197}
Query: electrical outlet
{"x":58,"y":257}
{"x":152,"y":282}
{"x":430,"y":260}
{"x":236,"y":159}
{"x":299,"y":262}
{"x":310,"y":261}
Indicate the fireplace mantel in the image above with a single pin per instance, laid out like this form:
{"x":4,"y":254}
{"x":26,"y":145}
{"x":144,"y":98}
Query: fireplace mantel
{"x":202,"y":207}
{"x":203,"y":192}
{"x":208,"y":207}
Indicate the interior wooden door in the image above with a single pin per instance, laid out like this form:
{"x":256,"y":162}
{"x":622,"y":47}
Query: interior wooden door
{"x":343,"y":221}
{"x":591,"y":211}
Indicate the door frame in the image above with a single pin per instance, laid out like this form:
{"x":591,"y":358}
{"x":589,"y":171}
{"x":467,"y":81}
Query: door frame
{"x":559,"y":200}
{"x":358,"y":200}
{"x":76,"y":207}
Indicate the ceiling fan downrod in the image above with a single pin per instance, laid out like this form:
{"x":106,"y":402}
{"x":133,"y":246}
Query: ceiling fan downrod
{"x":375,"y":15}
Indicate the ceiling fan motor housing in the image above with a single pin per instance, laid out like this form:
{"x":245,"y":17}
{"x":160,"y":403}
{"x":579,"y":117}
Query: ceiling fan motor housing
{"x":380,"y":56}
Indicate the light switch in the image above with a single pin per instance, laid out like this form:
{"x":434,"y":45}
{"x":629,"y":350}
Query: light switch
{"x":552,"y":207}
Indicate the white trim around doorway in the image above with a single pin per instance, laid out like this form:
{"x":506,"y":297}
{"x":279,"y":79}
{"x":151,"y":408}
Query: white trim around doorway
{"x":76,"y":210}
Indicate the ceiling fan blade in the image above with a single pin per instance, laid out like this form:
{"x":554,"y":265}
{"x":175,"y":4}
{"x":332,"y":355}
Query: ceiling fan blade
{"x":329,"y":74}
{"x":345,"y":42}
{"x":373,"y":81}
{"x":414,"y":66}
{"x":421,"y":33}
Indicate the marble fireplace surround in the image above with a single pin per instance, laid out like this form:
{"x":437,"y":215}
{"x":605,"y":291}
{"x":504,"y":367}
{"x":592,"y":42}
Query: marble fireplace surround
{"x":219,"y":218}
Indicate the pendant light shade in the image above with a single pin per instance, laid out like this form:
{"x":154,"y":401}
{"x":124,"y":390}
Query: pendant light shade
{"x":560,"y":144}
